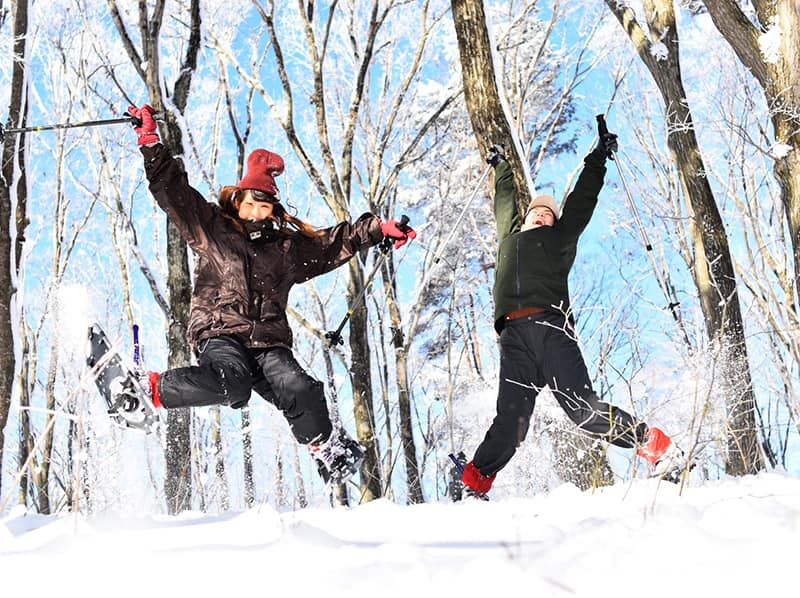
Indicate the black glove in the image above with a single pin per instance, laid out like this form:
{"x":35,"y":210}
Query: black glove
{"x":607,"y":144}
{"x":496,"y":154}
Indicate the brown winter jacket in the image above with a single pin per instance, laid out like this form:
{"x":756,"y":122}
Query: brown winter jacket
{"x":241,"y":288}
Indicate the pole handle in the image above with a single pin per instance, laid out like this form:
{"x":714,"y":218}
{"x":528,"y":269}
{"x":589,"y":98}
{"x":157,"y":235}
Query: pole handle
{"x":457,"y":462}
{"x":602,"y":129}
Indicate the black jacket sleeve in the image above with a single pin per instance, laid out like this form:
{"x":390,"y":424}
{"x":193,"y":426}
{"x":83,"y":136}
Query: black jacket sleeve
{"x":580,"y":203}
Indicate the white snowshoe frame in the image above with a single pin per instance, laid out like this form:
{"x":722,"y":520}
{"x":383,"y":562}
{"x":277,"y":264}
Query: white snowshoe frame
{"x":108,"y":369}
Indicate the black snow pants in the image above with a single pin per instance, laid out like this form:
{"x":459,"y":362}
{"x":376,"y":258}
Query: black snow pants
{"x":541,"y":350}
{"x":227,"y":372}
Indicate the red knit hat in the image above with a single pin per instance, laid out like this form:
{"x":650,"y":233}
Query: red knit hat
{"x":262,"y":168}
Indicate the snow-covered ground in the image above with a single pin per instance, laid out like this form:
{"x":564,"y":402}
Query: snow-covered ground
{"x":737,"y":537}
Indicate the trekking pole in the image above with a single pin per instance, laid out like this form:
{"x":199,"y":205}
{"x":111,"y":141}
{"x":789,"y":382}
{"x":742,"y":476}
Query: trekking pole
{"x":672,"y":301}
{"x":128,"y":118}
{"x":438,"y":255}
{"x":462,"y":214}
{"x":603,"y":130}
{"x":335,"y":336}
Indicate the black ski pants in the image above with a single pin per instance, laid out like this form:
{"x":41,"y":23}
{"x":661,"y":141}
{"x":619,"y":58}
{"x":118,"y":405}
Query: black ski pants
{"x":541,"y":350}
{"x":227,"y":372}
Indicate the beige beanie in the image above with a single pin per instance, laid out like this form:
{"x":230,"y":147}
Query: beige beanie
{"x":545,"y":201}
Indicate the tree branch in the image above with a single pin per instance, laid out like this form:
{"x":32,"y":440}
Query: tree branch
{"x":741,"y":34}
{"x":189,"y":65}
{"x":127,"y":43}
{"x":338,"y":200}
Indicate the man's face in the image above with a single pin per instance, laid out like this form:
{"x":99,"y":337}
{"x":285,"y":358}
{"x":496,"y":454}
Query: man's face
{"x":538,"y":216}
{"x":255,"y":211}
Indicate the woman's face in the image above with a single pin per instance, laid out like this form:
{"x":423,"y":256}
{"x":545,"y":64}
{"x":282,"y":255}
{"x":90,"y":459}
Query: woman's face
{"x":252,"y":210}
{"x":538,"y":216}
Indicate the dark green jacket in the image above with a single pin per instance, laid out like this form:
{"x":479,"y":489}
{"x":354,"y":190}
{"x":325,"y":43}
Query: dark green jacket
{"x":533,"y":266}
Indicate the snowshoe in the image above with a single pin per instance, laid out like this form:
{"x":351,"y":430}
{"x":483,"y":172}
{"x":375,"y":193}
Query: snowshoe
{"x":126,"y":390}
{"x":474,"y":494}
{"x":338,"y":458}
{"x":667,"y":461}
{"x":458,"y":489}
{"x":455,"y":486}
{"x":672,"y":465}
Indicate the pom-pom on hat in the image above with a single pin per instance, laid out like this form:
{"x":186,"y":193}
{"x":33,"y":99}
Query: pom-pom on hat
{"x":262,"y":168}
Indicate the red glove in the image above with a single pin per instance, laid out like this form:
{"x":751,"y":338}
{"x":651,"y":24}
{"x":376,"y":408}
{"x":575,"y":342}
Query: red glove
{"x":148,"y":131}
{"x":392,"y":230}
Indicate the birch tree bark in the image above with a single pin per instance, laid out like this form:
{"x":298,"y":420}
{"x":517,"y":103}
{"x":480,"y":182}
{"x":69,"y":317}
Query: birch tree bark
{"x":778,"y":73}
{"x":146,"y":62}
{"x":13,"y":212}
{"x":712,"y":270}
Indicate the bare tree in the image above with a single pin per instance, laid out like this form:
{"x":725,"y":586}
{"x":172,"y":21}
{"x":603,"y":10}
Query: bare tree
{"x":712,"y":268}
{"x":764,"y":267}
{"x":13,"y":211}
{"x":777,"y":70}
{"x":146,"y":61}
{"x":489,"y":119}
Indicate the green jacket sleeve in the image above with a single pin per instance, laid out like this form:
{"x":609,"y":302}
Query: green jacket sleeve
{"x":580,"y":203}
{"x":505,"y":201}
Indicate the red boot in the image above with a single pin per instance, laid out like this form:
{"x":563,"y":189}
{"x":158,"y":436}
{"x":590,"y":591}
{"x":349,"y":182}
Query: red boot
{"x":155,"y":396}
{"x":476,"y":483}
{"x":655,"y":446}
{"x":667,"y":461}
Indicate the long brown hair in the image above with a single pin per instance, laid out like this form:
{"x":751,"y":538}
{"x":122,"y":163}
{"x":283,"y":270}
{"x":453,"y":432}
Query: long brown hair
{"x":230,"y":197}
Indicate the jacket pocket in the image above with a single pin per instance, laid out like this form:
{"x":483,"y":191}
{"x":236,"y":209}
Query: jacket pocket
{"x":225,"y":304}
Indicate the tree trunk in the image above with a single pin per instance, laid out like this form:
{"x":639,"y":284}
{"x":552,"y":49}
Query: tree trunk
{"x":780,"y":79}
{"x":579,"y":459}
{"x":13,"y":196}
{"x":41,"y":475}
{"x":25,"y":432}
{"x":713,"y":267}
{"x":247,"y":458}
{"x":490,"y":121}
{"x":177,"y":483}
{"x":219,"y":458}
{"x":413,"y":482}
{"x":361,"y":375}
